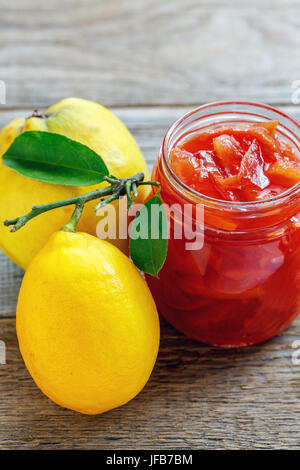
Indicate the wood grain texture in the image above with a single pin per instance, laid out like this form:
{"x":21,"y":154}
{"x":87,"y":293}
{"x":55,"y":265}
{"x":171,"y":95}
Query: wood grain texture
{"x":197,"y":398}
{"x":133,"y":55}
{"x":139,"y":52}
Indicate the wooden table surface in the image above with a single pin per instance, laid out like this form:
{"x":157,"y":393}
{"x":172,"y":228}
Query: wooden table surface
{"x":151,"y":61}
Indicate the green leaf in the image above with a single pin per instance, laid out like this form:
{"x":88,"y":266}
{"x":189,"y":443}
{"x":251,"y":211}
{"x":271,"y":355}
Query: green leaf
{"x":54,"y":158}
{"x":149,"y":237}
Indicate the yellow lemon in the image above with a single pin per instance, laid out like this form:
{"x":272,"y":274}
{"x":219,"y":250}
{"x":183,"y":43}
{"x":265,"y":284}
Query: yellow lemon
{"x":87,"y":324}
{"x":87,"y":122}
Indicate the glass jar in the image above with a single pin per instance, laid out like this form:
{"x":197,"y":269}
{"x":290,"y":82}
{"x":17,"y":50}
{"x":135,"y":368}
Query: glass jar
{"x":242,"y":286}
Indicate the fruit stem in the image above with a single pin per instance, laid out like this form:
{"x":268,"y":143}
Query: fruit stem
{"x":72,"y":224}
{"x":117,"y":188}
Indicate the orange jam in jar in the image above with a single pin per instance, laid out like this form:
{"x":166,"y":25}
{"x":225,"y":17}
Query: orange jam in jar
{"x":240,"y":163}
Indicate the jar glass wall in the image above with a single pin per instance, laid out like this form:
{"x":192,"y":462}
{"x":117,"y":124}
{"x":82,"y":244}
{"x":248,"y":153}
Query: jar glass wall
{"x":242,"y":286}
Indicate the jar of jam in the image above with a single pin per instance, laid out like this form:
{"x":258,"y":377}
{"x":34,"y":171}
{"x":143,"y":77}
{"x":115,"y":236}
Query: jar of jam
{"x":241,"y":285}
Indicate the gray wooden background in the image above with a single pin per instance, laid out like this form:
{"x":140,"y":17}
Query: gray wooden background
{"x":150,"y":61}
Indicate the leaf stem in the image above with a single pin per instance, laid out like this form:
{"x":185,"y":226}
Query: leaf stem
{"x":151,"y":183}
{"x":134,"y":190}
{"x":128,"y":189}
{"x":106,"y":201}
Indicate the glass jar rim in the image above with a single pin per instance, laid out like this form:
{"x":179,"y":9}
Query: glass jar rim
{"x":294,"y":191}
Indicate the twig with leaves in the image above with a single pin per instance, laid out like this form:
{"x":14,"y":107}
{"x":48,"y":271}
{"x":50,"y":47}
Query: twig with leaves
{"x":56,"y":159}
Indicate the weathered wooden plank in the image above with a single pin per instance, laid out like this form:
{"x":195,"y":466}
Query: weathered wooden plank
{"x":10,"y":281}
{"x":197,"y":398}
{"x":151,"y":52}
{"x":125,"y":52}
{"x":147,"y":123}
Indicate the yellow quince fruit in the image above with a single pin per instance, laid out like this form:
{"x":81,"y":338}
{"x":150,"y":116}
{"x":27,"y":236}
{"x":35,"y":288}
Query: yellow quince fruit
{"x":88,"y":123}
{"x":87,"y":324}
